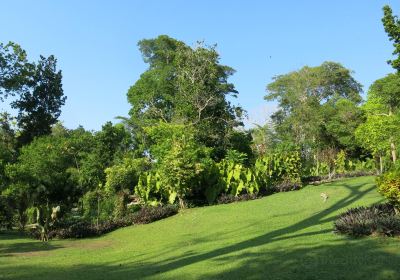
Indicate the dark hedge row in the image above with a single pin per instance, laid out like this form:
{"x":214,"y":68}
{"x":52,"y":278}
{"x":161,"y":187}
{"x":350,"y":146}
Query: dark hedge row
{"x":82,"y":228}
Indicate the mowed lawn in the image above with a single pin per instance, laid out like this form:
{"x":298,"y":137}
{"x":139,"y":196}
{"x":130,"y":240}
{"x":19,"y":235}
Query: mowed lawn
{"x":282,"y":236}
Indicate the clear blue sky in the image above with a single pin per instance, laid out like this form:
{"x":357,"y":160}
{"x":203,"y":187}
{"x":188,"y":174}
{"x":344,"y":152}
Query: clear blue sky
{"x":95,"y":43}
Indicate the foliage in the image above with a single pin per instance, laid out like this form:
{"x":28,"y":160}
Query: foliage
{"x":6,"y":213}
{"x":263,"y":139}
{"x":237,"y":179}
{"x":340,"y":162}
{"x":303,"y":96}
{"x":341,"y":119}
{"x":389,"y":186}
{"x":148,"y":214}
{"x":376,"y":132}
{"x":8,"y":149}
{"x":45,"y":175}
{"x":377,"y":219}
{"x":98,"y":205}
{"x":78,"y":228}
{"x":236,"y":156}
{"x":39,"y":106}
{"x":379,"y":134}
{"x":106,"y":148}
{"x":392,"y":27}
{"x":228,"y":198}
{"x":15,"y":70}
{"x":185,"y":85}
{"x":180,"y":165}
{"x":125,"y":175}
{"x":269,"y":173}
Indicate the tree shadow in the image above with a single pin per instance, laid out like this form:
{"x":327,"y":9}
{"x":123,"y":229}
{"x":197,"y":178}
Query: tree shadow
{"x":350,"y":260}
{"x":26,"y":248}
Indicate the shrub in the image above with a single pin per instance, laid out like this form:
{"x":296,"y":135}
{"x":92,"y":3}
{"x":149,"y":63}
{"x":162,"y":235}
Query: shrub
{"x":229,"y":198}
{"x":6,"y":213}
{"x":278,"y":168}
{"x":80,"y":228}
{"x":125,"y":175}
{"x":98,"y":205}
{"x":376,"y":219}
{"x":340,"y":162}
{"x":389,"y":186}
{"x":150,"y":214}
{"x":286,"y":186}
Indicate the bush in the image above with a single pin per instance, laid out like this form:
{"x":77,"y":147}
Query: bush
{"x":389,"y":186}
{"x":150,"y":214}
{"x":77,"y":228}
{"x":362,"y":221}
{"x":287,"y":186}
{"x":6,"y":213}
{"x":229,"y":198}
{"x":98,"y":205}
{"x":125,"y":175}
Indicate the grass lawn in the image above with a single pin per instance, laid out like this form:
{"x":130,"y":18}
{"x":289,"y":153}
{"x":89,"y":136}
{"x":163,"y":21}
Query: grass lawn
{"x":283,"y":236}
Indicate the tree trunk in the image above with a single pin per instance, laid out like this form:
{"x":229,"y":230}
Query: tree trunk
{"x":380,"y":164}
{"x":181,"y":203}
{"x":392,"y":145}
{"x":393,"y":151}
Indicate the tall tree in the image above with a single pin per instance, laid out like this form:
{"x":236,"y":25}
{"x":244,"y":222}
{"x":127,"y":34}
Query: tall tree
{"x":383,"y":109}
{"x":40,"y":106}
{"x":341,"y":119}
{"x":391,"y":24}
{"x":15,"y":70}
{"x":302,"y":96}
{"x":107,"y":146}
{"x":185,"y":85}
{"x":7,"y":146}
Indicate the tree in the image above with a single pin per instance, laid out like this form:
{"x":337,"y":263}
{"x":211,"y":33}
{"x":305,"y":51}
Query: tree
{"x":341,"y":119}
{"x":391,"y":24}
{"x":263,"y":139}
{"x":180,"y":161}
{"x":302,"y":96}
{"x":7,"y":146}
{"x":380,"y":132}
{"x":185,"y":85}
{"x":48,"y":174}
{"x":106,"y":147}
{"x":40,"y":106}
{"x":375,"y":134}
{"x":15,"y":71}
{"x":44,"y":173}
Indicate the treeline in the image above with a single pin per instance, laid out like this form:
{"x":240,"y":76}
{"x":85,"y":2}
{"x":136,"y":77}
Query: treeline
{"x":184,"y":142}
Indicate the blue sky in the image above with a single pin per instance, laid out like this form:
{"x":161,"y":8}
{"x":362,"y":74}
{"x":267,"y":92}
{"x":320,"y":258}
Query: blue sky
{"x":95,"y":43}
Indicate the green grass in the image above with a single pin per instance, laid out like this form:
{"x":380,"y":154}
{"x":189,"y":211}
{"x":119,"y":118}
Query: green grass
{"x":283,"y":236}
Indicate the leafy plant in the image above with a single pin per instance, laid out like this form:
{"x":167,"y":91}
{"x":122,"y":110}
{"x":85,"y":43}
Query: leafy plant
{"x":340,"y":162}
{"x":389,"y":186}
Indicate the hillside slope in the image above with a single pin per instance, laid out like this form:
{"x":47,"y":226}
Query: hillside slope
{"x":282,"y":236}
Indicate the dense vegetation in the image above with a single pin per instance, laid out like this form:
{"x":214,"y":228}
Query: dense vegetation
{"x":184,"y":142}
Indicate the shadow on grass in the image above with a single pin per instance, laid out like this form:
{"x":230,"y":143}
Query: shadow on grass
{"x":26,"y":248}
{"x":22,"y":248}
{"x":352,"y":260}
